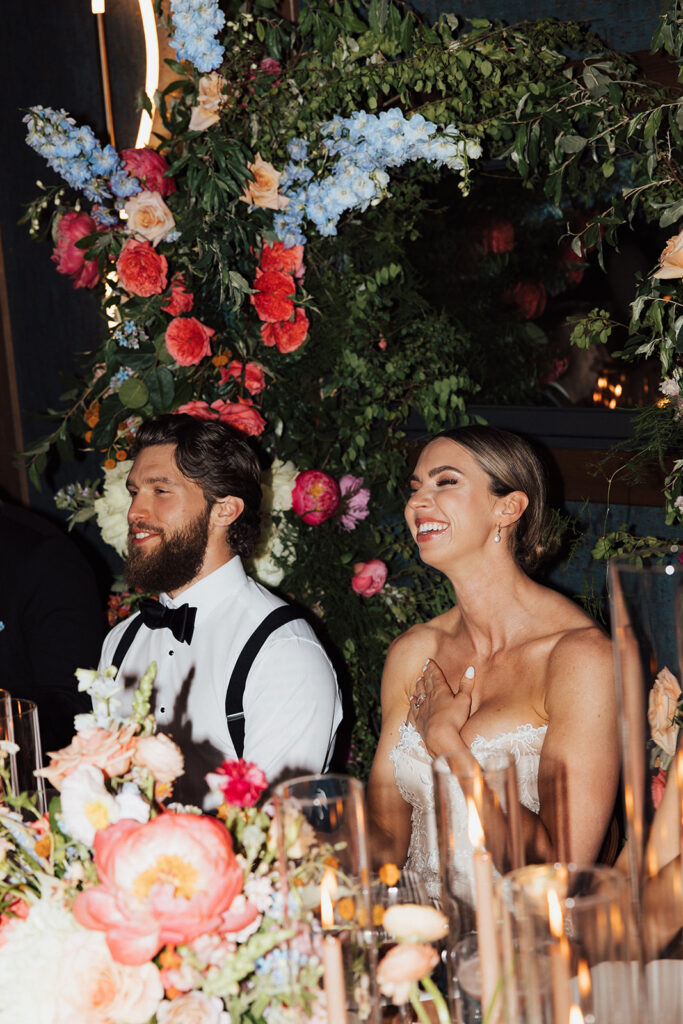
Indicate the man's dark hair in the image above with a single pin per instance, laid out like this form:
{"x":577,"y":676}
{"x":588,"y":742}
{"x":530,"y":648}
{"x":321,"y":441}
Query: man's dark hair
{"x":220,"y":460}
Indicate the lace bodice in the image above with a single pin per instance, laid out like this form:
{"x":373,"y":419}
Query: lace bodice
{"x":413,"y":774}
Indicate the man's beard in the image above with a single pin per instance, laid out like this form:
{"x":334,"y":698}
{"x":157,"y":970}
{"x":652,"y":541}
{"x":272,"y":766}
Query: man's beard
{"x":176,"y":561}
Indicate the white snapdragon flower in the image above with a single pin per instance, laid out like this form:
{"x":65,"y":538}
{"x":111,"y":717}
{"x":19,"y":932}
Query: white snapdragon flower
{"x":102,"y":688}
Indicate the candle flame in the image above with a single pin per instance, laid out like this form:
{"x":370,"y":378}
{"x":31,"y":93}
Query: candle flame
{"x":328,"y":890}
{"x":474,"y":829}
{"x":575,"y":1015}
{"x":554,"y":914}
{"x":97,"y":6}
{"x":583,"y":977}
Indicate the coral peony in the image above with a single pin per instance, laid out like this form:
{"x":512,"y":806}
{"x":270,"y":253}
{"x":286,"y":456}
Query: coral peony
{"x":141,"y":270}
{"x":278,"y":257}
{"x":272,"y":297}
{"x":111,"y":752}
{"x":355,"y":500}
{"x":498,"y":237}
{"x":149,"y":167}
{"x":529,"y":298}
{"x":149,"y":217}
{"x":242,"y":415}
{"x":369,"y":577}
{"x":315,"y":496}
{"x":252,"y":374}
{"x":169,"y":880}
{"x":71,"y":260}
{"x":240,"y":782}
{"x":263,"y":190}
{"x":187,"y":340}
{"x":181,"y":300}
{"x":287,"y":335}
{"x":198,"y":408}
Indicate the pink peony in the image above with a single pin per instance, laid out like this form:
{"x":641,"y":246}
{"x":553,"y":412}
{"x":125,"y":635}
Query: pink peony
{"x":111,"y":752}
{"x":198,"y":408}
{"x":167,"y":881}
{"x":160,"y":756}
{"x":141,"y":270}
{"x":315,"y":496}
{"x":242,"y":415}
{"x":287,"y":335}
{"x":369,"y":577}
{"x":181,"y":301}
{"x":277,"y":257}
{"x":187,"y":340}
{"x":272,"y":297}
{"x":355,"y":500}
{"x":71,"y":260}
{"x":240,"y":782}
{"x":252,"y":373}
{"x":149,"y":167}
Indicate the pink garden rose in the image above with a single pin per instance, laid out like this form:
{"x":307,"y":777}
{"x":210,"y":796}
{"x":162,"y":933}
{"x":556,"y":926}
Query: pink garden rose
{"x":286,"y":335}
{"x":242,"y":415}
{"x":160,"y":756}
{"x":181,"y":300}
{"x":141,"y":270}
{"x":355,"y":500}
{"x":187,"y":340}
{"x":111,"y":752}
{"x":369,"y":577}
{"x":198,"y":408}
{"x":252,"y":373}
{"x":277,"y":257}
{"x":149,"y":167}
{"x":71,"y":260}
{"x":240,"y":782}
{"x":191,"y":1008}
{"x":315,"y":496}
{"x":167,"y":881}
{"x":272,"y":297}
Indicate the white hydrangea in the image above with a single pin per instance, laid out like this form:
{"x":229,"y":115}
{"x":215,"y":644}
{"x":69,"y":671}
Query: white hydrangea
{"x":112,"y":508}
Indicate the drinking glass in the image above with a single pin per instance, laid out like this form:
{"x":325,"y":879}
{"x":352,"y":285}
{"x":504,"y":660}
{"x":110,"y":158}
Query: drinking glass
{"x":19,"y":725}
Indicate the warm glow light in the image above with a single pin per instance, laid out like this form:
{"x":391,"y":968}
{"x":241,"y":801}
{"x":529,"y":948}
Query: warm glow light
{"x":328,"y":889}
{"x":575,"y":1016}
{"x":583,"y":978}
{"x":97,"y":6}
{"x":613,"y":403}
{"x":149,"y":28}
{"x":474,"y":829}
{"x":602,"y":382}
{"x":618,"y":390}
{"x":554,"y":914}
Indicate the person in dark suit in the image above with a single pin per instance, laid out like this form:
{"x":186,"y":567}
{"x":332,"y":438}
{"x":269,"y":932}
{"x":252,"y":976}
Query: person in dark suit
{"x":51,"y":620}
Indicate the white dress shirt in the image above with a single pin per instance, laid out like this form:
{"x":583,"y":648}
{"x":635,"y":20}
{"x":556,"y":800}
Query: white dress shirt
{"x":291,"y":701}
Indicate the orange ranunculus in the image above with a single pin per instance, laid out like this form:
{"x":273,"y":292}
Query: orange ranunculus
{"x":141,"y":270}
{"x":187,"y":340}
{"x":287,"y":335}
{"x":167,"y":881}
{"x":263,"y":190}
{"x":671,"y":259}
{"x":272,"y":297}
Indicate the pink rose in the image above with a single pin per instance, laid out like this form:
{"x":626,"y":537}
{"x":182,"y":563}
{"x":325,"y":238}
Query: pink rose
{"x":111,"y":752}
{"x":187,"y":340}
{"x":95,"y":989}
{"x":401,"y":966}
{"x":167,"y":881}
{"x":181,"y":301}
{"x":240,"y":782}
{"x":356,"y":501}
{"x":287,"y":335}
{"x":71,"y":260}
{"x":369,"y":577}
{"x":272,"y":296}
{"x":141,"y":270}
{"x":198,"y":408}
{"x":191,"y":1008}
{"x":242,"y":415}
{"x":149,"y":167}
{"x":315,"y":496}
{"x":277,"y":257}
{"x":149,"y":217}
{"x":160,"y":756}
{"x":252,"y":373}
{"x":657,"y":787}
{"x":263,"y":190}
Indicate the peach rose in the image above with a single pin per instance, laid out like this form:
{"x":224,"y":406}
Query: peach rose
{"x":160,"y":756}
{"x":263,"y":190}
{"x":401,"y":966}
{"x":192,"y":1008}
{"x":95,"y":989}
{"x":187,"y":340}
{"x":111,"y":752}
{"x":661,"y":709}
{"x":210,"y":99}
{"x":149,"y":217}
{"x":671,"y":259}
{"x":141,"y":270}
{"x":167,"y":881}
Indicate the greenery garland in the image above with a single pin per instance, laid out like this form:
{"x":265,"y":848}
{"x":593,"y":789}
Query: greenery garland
{"x":327,"y":352}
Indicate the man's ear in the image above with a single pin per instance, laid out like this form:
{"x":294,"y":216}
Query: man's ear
{"x":226,"y":510}
{"x":513,"y":506}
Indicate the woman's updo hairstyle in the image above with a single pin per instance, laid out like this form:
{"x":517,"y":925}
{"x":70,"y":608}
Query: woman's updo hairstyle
{"x":512,"y":465}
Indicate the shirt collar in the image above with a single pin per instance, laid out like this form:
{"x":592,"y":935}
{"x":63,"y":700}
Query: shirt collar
{"x":228,"y":579}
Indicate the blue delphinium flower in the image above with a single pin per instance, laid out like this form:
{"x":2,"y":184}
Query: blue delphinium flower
{"x":128,"y":334}
{"x":195,"y":24}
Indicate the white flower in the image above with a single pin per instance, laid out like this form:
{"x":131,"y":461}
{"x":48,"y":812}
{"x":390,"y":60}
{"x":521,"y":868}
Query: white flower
{"x":88,"y":807}
{"x":280,"y":479}
{"x":7,"y":747}
{"x":112,"y":508}
{"x":263,"y":565}
{"x":102,"y":687}
{"x":259,"y":891}
{"x":414,"y":922}
{"x":670,"y":387}
{"x":678,"y":503}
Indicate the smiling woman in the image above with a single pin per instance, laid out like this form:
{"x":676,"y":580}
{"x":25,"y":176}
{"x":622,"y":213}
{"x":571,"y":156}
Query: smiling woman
{"x":512,"y":667}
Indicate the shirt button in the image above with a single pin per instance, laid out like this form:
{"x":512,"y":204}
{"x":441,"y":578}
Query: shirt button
{"x":162,"y":710}
{"x":171,"y":653}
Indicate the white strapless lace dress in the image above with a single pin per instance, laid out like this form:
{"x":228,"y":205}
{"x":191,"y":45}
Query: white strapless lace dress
{"x":413,"y":774}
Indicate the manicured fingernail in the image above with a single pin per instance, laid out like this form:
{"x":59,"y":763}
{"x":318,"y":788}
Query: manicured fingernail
{"x":426,"y":663}
{"x":469,"y":672}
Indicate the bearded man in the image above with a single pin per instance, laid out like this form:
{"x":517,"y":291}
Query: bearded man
{"x":239,"y":672}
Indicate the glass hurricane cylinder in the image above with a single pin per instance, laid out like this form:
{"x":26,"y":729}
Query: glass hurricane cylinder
{"x":19,"y":726}
{"x":569,"y":950}
{"x":646,"y":598}
{"x":337,"y":889}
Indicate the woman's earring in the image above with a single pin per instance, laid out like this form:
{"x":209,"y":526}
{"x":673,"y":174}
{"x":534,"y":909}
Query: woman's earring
{"x":497,"y":537}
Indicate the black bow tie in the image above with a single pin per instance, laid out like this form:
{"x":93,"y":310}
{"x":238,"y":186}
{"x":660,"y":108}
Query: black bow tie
{"x":180,"y":621}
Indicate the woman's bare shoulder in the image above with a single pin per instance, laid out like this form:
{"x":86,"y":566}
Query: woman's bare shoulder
{"x":409,"y":651}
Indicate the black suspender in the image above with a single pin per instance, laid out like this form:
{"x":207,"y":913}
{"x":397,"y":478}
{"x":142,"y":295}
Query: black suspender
{"x":234,"y":708}
{"x":234,"y":697}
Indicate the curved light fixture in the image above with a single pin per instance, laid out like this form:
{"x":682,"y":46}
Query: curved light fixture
{"x":149,"y":27}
